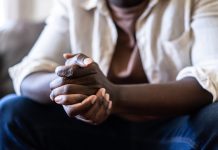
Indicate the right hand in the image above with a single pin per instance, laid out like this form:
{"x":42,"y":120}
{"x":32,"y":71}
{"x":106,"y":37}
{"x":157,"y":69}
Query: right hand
{"x":100,"y":110}
{"x":92,"y":109}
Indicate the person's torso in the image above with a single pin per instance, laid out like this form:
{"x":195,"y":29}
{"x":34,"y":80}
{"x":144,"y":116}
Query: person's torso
{"x":163,"y":35}
{"x":126,"y":66}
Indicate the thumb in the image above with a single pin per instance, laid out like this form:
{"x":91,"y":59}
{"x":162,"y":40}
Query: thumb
{"x":78,"y":59}
{"x":68,"y":55}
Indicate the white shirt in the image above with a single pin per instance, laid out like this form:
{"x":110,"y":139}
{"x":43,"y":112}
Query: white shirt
{"x":176,"y":39}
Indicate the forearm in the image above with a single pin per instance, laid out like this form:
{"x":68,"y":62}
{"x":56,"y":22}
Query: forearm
{"x":170,"y":99}
{"x":36,"y":86}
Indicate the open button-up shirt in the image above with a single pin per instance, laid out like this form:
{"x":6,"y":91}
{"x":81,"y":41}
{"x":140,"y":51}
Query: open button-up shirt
{"x":176,"y":39}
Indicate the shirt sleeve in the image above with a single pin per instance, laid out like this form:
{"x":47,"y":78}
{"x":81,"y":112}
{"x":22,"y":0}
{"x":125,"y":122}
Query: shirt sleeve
{"x":47,"y":52}
{"x":204,"y":52}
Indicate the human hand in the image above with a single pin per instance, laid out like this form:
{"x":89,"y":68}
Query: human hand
{"x":81,"y":75}
{"x":68,"y":91}
{"x":92,"y":109}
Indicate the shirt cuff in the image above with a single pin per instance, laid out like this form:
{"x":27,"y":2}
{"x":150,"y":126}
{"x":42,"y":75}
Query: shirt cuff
{"x":27,"y":67}
{"x":206,"y":78}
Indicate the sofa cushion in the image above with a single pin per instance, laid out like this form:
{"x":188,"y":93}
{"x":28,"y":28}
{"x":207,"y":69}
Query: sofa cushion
{"x":16,"y":39}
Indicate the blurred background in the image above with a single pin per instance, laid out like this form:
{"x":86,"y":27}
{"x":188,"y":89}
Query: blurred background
{"x":21,"y":23}
{"x":32,"y":10}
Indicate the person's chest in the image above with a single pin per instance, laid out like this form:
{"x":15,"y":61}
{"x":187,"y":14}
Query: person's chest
{"x":163,"y":35}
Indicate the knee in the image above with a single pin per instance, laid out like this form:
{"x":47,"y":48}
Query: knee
{"x":11,"y":108}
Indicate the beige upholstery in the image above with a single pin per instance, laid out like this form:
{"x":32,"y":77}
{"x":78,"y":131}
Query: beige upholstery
{"x":16,"y":39}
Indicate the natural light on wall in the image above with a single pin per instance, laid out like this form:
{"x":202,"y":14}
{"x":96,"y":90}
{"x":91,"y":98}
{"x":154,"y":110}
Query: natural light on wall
{"x":1,"y":12}
{"x":31,"y":10}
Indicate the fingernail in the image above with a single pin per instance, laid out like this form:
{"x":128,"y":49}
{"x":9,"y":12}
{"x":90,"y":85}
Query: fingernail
{"x":58,"y":99}
{"x":51,"y":95}
{"x":94,"y":100}
{"x":103,"y":91}
{"x":87,"y":61}
{"x":107,"y":96}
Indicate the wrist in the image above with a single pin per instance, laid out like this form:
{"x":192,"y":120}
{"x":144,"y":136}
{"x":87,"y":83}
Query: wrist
{"x":115,"y":97}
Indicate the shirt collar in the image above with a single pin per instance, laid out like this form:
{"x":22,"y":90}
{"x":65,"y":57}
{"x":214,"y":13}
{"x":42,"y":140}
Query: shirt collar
{"x":88,"y":4}
{"x":95,"y":4}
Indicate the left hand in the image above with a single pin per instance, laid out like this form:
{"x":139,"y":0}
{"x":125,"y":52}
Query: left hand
{"x":77,"y":77}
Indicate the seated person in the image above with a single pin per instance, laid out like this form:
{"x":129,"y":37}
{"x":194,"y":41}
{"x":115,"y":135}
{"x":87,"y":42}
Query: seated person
{"x":136,"y":74}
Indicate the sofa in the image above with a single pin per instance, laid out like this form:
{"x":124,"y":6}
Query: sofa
{"x":16,"y":39}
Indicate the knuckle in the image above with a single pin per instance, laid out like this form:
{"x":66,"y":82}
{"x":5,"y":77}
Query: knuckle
{"x":56,"y":83}
{"x":69,"y":61}
{"x":54,"y":93}
{"x":81,"y":98}
{"x":61,"y":81}
{"x":74,"y":71}
{"x":69,"y":71}
{"x":81,"y":56}
{"x":60,"y":71}
{"x":65,"y":99}
{"x":67,"y":89}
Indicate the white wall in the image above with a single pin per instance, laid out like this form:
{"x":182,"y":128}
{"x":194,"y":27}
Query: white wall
{"x":1,"y":12}
{"x":33,"y":10}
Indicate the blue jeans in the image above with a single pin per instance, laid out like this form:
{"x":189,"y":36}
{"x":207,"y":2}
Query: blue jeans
{"x":26,"y":125}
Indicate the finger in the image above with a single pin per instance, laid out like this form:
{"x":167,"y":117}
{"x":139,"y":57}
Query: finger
{"x":76,"y":109}
{"x":103,"y":113}
{"x":100,"y":112}
{"x":101,"y":92}
{"x":109,"y":109}
{"x":69,"y":99}
{"x":67,"y":71}
{"x":79,"y":59}
{"x":74,"y":71}
{"x":68,"y":55}
{"x":104,"y":97}
{"x":107,"y":97}
{"x":100,"y":116}
{"x":73,"y":89}
{"x":81,"y":118}
{"x":90,"y":114}
{"x":99,"y":103}
{"x":86,"y":80}
{"x":58,"y":82}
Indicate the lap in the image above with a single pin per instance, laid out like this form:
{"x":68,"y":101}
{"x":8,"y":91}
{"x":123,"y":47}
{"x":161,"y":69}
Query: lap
{"x":48,"y":127}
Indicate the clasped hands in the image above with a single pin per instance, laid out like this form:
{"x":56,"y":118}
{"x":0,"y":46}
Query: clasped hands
{"x":82,"y":89}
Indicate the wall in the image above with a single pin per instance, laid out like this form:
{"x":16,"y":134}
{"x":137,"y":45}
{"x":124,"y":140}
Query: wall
{"x":33,"y":10}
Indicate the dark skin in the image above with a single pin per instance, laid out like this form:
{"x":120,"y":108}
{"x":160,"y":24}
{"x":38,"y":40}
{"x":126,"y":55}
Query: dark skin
{"x":169,"y":99}
{"x":126,"y":3}
{"x":39,"y":92}
{"x":91,"y":108}
{"x":166,"y":100}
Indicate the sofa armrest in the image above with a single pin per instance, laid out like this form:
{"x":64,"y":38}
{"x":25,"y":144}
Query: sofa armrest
{"x":16,"y":39}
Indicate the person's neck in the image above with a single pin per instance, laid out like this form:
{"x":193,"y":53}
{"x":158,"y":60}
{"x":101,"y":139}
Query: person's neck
{"x":125,"y":3}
